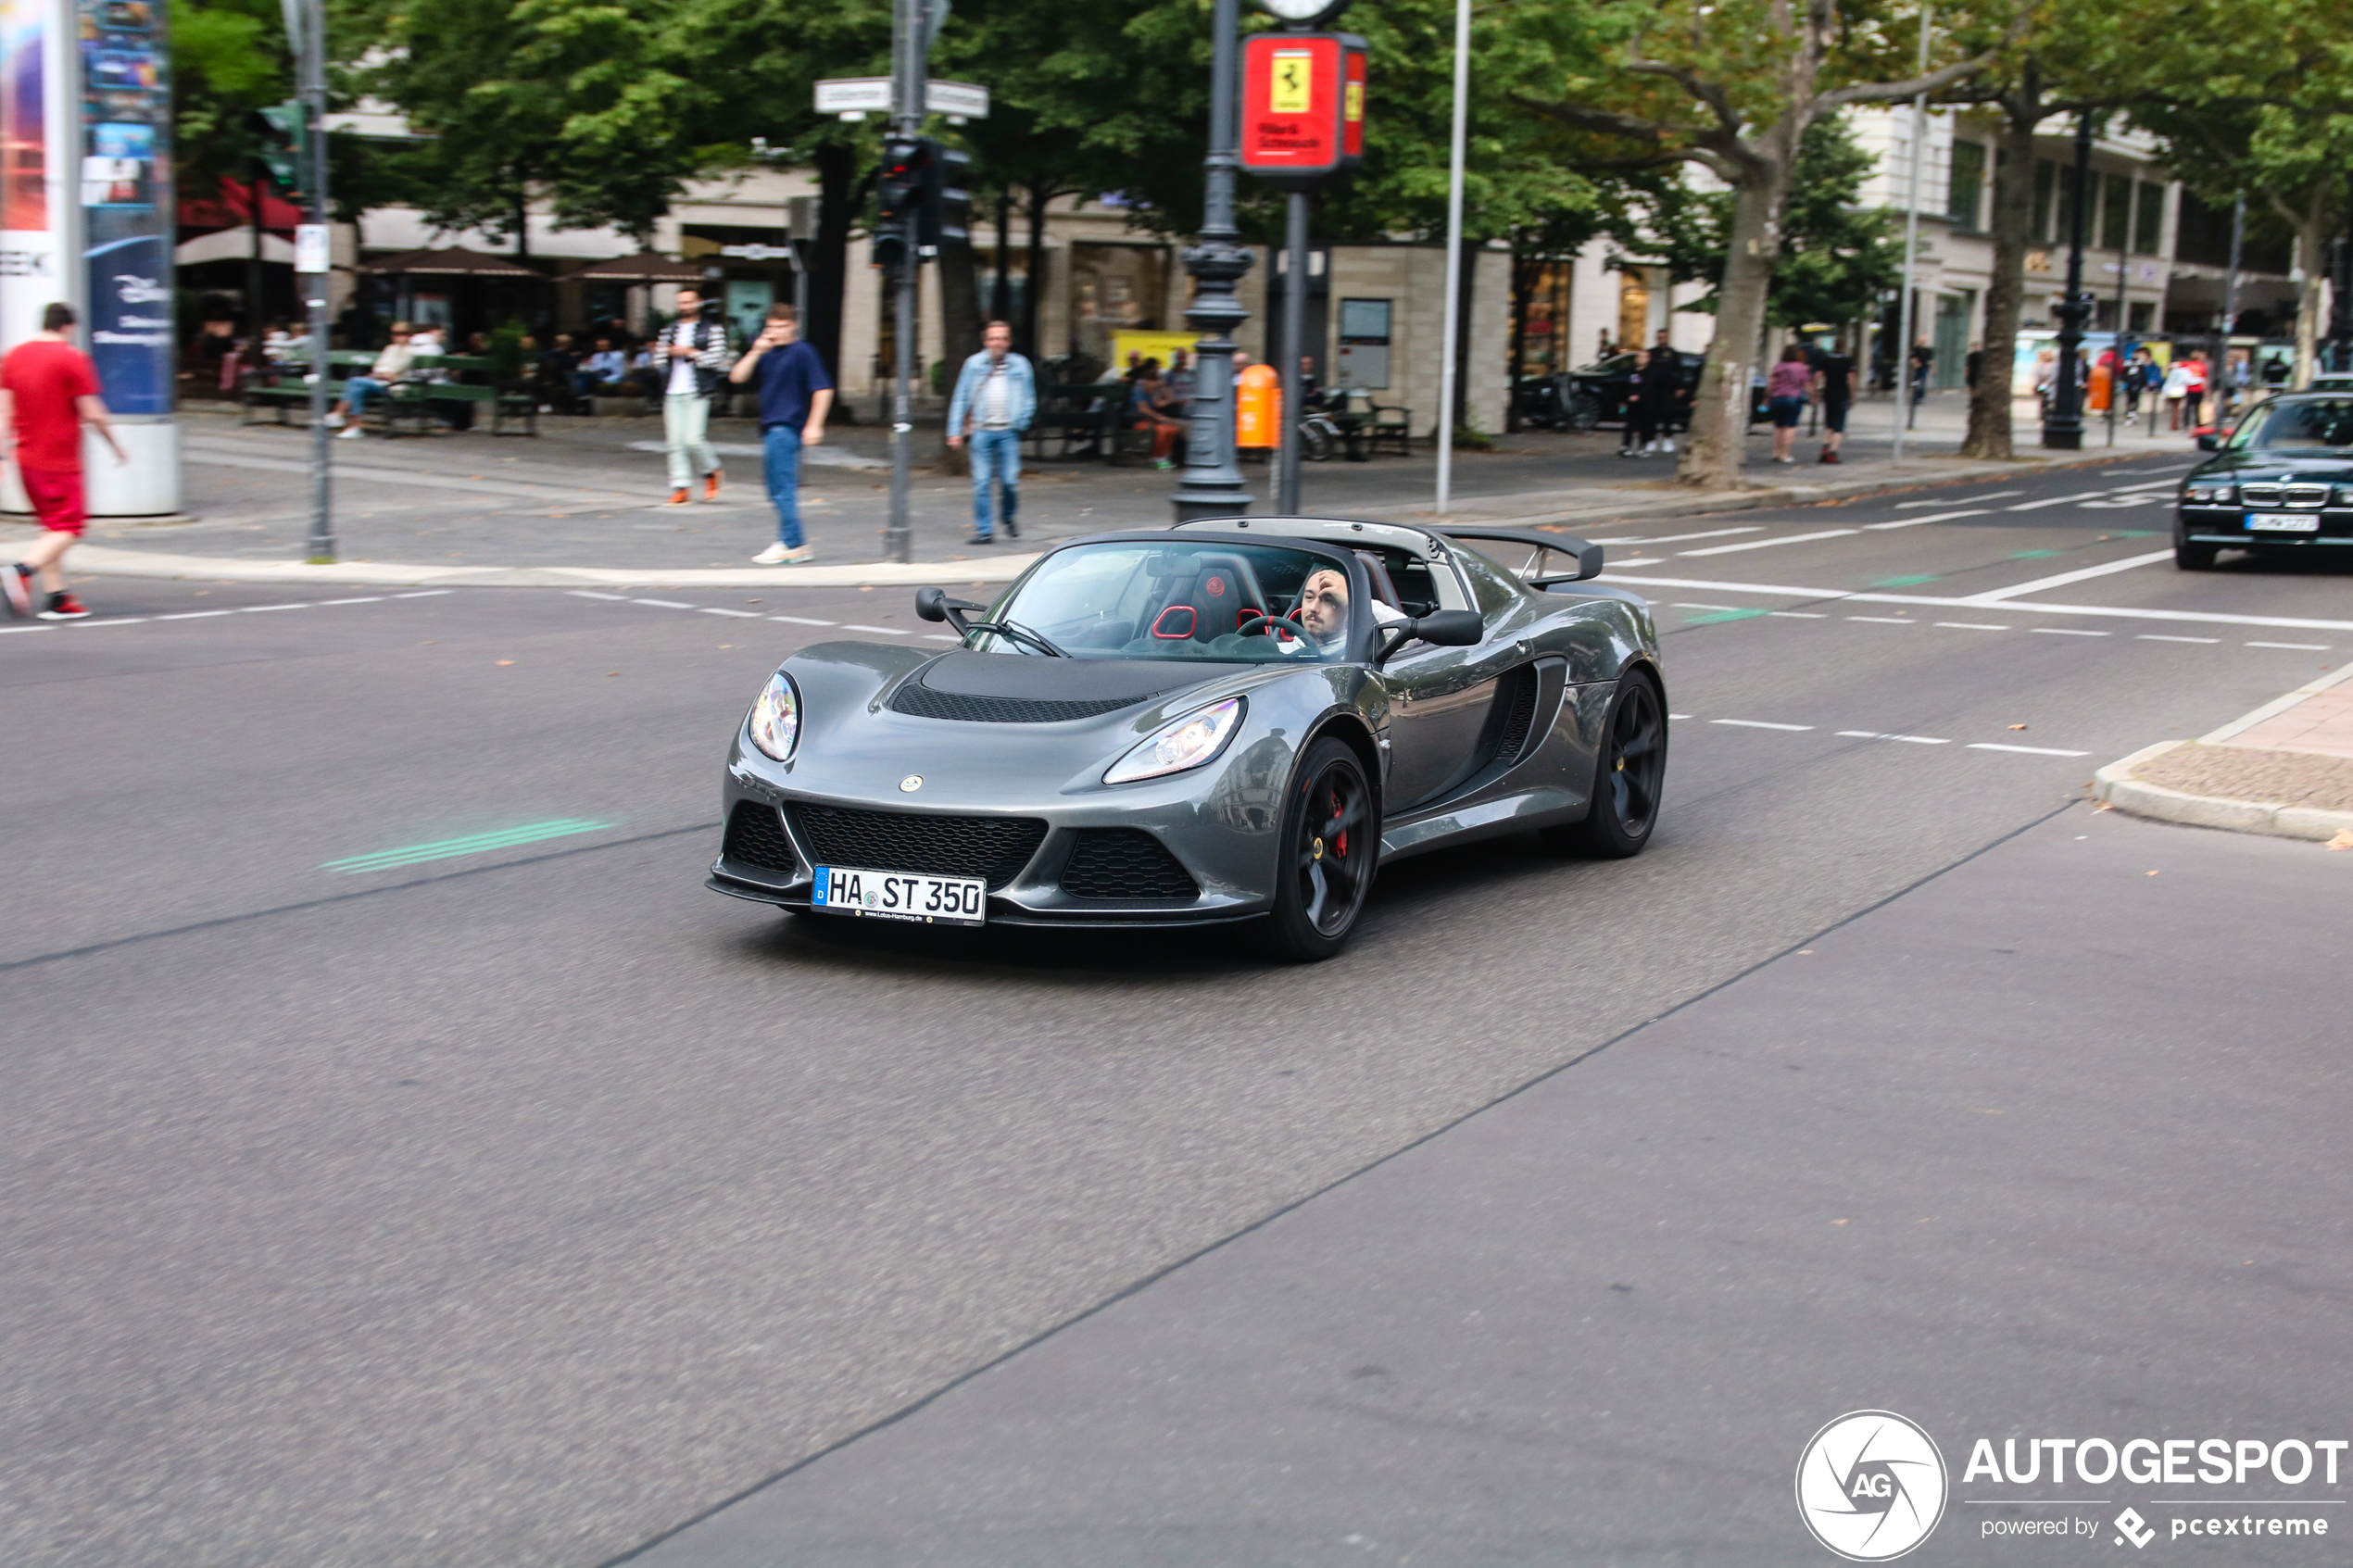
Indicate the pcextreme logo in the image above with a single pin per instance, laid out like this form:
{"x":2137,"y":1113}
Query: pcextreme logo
{"x":1870,"y":1486}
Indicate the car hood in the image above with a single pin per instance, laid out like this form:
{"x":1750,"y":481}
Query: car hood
{"x":874,"y":716}
{"x":2258,"y":464}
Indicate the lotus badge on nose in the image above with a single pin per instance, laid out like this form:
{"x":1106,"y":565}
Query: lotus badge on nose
{"x":911,"y":784}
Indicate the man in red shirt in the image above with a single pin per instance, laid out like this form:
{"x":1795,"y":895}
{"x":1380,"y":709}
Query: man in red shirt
{"x":48,"y":390}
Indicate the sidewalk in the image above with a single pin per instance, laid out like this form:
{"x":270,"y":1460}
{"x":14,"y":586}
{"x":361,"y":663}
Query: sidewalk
{"x":582,"y":503}
{"x":2285,"y":768}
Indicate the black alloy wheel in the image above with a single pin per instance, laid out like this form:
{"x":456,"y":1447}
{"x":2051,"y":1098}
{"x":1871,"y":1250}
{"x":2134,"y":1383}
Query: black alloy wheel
{"x":1328,"y":846}
{"x":1629,"y":775}
{"x":2192,"y":557}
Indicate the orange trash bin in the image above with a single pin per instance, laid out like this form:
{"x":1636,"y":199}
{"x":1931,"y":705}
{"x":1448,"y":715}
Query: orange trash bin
{"x":1258,"y":406}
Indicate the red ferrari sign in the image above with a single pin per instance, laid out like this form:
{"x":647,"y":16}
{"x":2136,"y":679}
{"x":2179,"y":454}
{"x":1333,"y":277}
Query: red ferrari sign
{"x":1302,"y":106}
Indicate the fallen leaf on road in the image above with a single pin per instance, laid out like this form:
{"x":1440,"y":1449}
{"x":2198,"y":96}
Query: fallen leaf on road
{"x":2104,"y":805}
{"x":2344,"y":839}
{"x":2018,"y":726}
{"x":2152,"y":874}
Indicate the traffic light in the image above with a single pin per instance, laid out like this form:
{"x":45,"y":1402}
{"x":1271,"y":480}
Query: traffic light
{"x":897,"y":192}
{"x":946,"y":215}
{"x":283,"y":130}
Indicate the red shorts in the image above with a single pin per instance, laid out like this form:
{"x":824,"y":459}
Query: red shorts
{"x":56,"y":498}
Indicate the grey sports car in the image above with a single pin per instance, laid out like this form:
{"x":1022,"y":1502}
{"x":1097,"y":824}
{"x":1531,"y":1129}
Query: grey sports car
{"x":1232,"y":720}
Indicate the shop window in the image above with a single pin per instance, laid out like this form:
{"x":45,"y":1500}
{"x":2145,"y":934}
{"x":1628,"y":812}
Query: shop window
{"x":2150,"y":220}
{"x":1633,"y":310}
{"x":2045,"y":176}
{"x":2116,"y":212}
{"x":1965,"y":180}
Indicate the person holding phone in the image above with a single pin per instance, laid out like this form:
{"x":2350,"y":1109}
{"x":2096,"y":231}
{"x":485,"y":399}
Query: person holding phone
{"x":795,"y":397}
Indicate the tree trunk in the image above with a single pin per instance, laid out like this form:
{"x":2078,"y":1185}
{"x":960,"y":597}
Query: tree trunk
{"x":2308,"y":249}
{"x":1990,"y":435}
{"x":1711,"y":456}
{"x":1039,"y":196}
{"x":958,"y":333}
{"x":839,"y":187}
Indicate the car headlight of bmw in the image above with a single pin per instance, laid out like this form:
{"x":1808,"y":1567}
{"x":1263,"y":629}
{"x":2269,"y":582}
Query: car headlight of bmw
{"x":775,"y":718}
{"x":1180,"y":744}
{"x":2207,"y":495}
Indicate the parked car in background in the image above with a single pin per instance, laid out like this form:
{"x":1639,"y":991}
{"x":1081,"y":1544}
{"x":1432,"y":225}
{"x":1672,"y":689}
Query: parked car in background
{"x":1594,"y":395}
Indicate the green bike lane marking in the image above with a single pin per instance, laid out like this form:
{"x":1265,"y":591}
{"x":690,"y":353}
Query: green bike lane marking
{"x":472,"y":844}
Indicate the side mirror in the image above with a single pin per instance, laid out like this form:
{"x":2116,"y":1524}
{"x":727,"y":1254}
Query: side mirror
{"x":933,"y":604}
{"x":2208,"y":444}
{"x":1446,"y":627}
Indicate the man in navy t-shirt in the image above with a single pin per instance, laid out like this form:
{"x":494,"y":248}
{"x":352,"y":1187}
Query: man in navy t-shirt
{"x":795,"y":397}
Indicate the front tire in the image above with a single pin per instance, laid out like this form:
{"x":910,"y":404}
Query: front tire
{"x":1629,"y":775}
{"x":1327,"y":852}
{"x":2193,"y":557}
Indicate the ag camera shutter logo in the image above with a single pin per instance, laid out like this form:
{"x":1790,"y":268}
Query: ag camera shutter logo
{"x":1872,"y":1486}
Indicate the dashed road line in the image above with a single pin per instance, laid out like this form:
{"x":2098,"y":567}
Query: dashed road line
{"x":885,"y":631}
{"x":803,"y":621}
{"x":2068,"y":632}
{"x":2161,"y":637}
{"x":425,"y":594}
{"x":1965,"y":500}
{"x":2060,"y":580}
{"x":2056,"y":501}
{"x":1971,"y":626}
{"x":1678,"y":538}
{"x":1933,"y":517}
{"x":1798,"y":614}
{"x":1874,"y":735}
{"x":742,"y":614}
{"x":2301,"y":647}
{"x":1884,"y":620}
{"x":2027,"y":750}
{"x":222,"y":613}
{"x":592,"y":594}
{"x":370,"y":600}
{"x":195,"y":614}
{"x":665,"y":604}
{"x":1767,"y":543}
{"x":1759,"y":724}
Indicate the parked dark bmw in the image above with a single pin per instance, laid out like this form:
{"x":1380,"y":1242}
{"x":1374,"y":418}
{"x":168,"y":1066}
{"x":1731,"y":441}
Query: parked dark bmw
{"x":2282,"y":481}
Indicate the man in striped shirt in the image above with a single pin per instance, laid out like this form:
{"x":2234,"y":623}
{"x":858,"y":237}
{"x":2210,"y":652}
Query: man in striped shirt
{"x":691,"y":356}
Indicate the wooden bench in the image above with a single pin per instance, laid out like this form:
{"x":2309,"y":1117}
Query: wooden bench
{"x":405,"y":402}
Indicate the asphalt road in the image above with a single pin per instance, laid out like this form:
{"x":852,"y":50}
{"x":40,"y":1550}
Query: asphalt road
{"x":408,"y":1161}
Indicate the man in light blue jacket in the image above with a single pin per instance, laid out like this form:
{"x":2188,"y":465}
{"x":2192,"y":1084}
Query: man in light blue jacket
{"x":996,"y":397}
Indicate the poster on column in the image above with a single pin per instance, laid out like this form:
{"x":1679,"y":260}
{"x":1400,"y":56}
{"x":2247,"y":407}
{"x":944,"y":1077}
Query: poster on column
{"x":127,"y":200}
{"x":31,"y":234}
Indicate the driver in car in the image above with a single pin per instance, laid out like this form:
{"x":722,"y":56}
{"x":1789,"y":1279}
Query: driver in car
{"x":1322,"y":607}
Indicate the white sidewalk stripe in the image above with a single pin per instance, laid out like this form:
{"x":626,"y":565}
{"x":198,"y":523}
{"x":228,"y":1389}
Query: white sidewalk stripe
{"x":2029,"y":750}
{"x":1759,"y":724}
{"x":1933,"y":517}
{"x":1767,"y":543}
{"x":2081,"y":574}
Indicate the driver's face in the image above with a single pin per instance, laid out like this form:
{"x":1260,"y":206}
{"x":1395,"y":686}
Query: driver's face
{"x":1323,"y":605}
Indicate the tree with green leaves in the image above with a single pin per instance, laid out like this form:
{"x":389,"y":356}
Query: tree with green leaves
{"x":1732,"y":85}
{"x":227,"y":59}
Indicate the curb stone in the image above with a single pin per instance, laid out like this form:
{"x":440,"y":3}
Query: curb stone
{"x":117,"y":562}
{"x":2116,"y":785}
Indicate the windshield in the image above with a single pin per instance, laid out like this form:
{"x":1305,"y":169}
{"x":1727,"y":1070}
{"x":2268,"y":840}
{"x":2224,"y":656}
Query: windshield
{"x":2303,"y":423}
{"x":1180,"y":599}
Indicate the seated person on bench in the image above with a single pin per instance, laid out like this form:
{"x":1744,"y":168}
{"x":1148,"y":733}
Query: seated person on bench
{"x":390,"y":366}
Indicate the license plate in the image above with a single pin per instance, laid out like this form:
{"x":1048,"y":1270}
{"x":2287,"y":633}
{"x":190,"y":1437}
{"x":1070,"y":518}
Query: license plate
{"x":2283,"y":522}
{"x":948,"y":900}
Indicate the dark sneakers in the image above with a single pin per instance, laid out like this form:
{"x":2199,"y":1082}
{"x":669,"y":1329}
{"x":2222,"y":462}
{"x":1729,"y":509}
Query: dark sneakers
{"x":65,"y":607}
{"x":15,"y":585}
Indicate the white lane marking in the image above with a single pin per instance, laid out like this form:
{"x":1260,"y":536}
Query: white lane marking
{"x":1971,"y":626}
{"x":1759,"y":724}
{"x":664,"y":604}
{"x":1680,"y":605}
{"x":195,"y":614}
{"x":1798,"y":614}
{"x":1933,"y":517}
{"x":1948,"y":500}
{"x":114,"y":620}
{"x":1767,"y":543}
{"x":746,"y":614}
{"x":2193,"y":617}
{"x":2148,"y":484}
{"x":1678,"y":538}
{"x":36,"y":629}
{"x":885,"y":631}
{"x":371,"y":599}
{"x":940,"y":637}
{"x":2161,"y":637}
{"x":259,"y":609}
{"x":1645,"y":560}
{"x":2029,"y":750}
{"x":2061,"y":578}
{"x":1884,"y":620}
{"x":804,"y":620}
{"x":6,"y":630}
{"x":2067,"y":631}
{"x":588,"y":594}
{"x":1873,"y":734}
{"x":2120,"y":502}
{"x":425,"y":594}
{"x":2305,"y":647}
{"x":2055,"y":501}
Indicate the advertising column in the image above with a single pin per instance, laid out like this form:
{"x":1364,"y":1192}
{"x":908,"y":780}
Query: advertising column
{"x":35,"y":240}
{"x":124,"y":148}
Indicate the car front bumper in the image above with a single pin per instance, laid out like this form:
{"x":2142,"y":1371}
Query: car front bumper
{"x":2226,"y":526}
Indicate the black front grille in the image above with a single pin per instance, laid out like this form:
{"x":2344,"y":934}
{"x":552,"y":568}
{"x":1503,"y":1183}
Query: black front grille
{"x":1125,"y":863}
{"x":1519,"y":713}
{"x":925,"y":703}
{"x":755,"y":837}
{"x":994,"y":848}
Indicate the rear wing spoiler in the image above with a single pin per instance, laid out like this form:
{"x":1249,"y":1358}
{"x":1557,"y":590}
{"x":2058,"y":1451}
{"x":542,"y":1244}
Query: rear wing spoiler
{"x":1587,"y":559}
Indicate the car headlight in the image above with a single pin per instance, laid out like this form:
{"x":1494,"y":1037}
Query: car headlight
{"x":775,"y":718}
{"x":1180,"y":744}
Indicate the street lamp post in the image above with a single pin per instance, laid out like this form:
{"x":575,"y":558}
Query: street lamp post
{"x":2063,"y":428}
{"x":1211,"y":484}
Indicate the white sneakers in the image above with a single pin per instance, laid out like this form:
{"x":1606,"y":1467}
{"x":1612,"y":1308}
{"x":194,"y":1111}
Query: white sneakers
{"x":776,"y":555}
{"x":354,"y":433}
{"x":334,"y":422}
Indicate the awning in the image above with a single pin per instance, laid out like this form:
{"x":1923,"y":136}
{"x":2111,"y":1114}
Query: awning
{"x":645,"y":266}
{"x":233,"y":245}
{"x":454,"y":261}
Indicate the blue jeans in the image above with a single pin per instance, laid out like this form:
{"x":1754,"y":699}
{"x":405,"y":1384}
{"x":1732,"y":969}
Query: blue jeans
{"x":357,"y":389}
{"x":995,"y":455}
{"x":780,"y":456}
